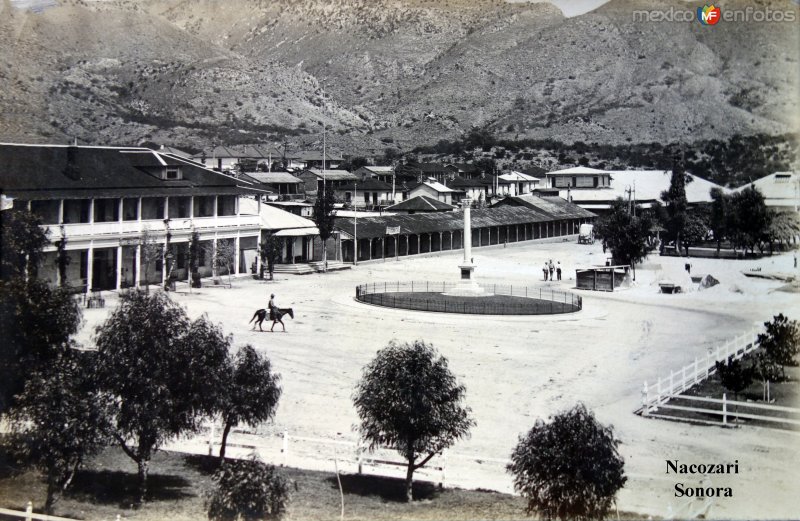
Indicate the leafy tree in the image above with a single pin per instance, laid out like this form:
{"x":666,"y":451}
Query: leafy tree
{"x":626,"y":235}
{"x":247,"y":490}
{"x":408,"y":399}
{"x":568,"y":468}
{"x":270,"y":251}
{"x":62,"y":258}
{"x":224,"y":255}
{"x":781,"y":342}
{"x":252,"y":394}
{"x":694,"y":231}
{"x":734,"y":375}
{"x":784,"y":227}
{"x":164,"y":371}
{"x":719,"y":215}
{"x":676,"y":203}
{"x":324,"y":214}
{"x":22,"y":240}
{"x":766,"y":370}
{"x":195,"y":250}
{"x":61,"y":420}
{"x":749,"y":219}
{"x":151,"y":252}
{"x":35,"y":322}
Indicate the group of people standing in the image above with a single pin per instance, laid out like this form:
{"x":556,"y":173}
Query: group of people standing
{"x":550,"y":269}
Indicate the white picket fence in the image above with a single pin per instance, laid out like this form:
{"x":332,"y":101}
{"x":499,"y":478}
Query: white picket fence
{"x":29,"y":515}
{"x":663,"y":394}
{"x":692,"y":374}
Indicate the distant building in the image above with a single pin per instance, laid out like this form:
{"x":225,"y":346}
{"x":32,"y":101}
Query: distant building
{"x":423,"y":171}
{"x":578,"y":177}
{"x":465,"y":170}
{"x":381,"y":173}
{"x":281,"y":183}
{"x":432,"y":189}
{"x":369,"y":194}
{"x":519,"y":183}
{"x":300,"y":208}
{"x":478,"y":189}
{"x":313,"y":179}
{"x":420,"y":204}
{"x":314,"y":159}
{"x":247,"y":157}
{"x":781,"y":190}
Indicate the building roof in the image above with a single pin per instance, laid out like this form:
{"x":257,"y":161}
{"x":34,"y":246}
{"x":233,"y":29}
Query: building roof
{"x":240,"y":152}
{"x":438,"y":187}
{"x":68,"y":172}
{"x":373,"y":184}
{"x":420,"y":203}
{"x":429,"y":222}
{"x":174,"y":151}
{"x":535,"y":171}
{"x":331,"y":175}
{"x":577,"y":170}
{"x":779,"y":189}
{"x":382,"y":170}
{"x":648,"y":186}
{"x":460,"y":182}
{"x":273,"y":177}
{"x":273,"y":218}
{"x":425,"y":168}
{"x":467,"y":168}
{"x":518,"y":177}
{"x":316,"y":155}
{"x":551,"y":206}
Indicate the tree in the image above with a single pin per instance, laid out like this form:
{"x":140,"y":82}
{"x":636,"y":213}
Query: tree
{"x":36,"y":321}
{"x":62,"y":258}
{"x":61,"y":420}
{"x":676,"y":204}
{"x":568,"y":468}
{"x":247,"y":490}
{"x":626,"y":235}
{"x":223,"y":257}
{"x":151,"y":252}
{"x":324,"y":214}
{"x":22,"y":240}
{"x":164,"y":371}
{"x":694,"y":231}
{"x":749,"y":219}
{"x":252,"y":394}
{"x":270,"y":251}
{"x":734,"y":376}
{"x":195,"y":250}
{"x":409,"y":400}
{"x":719,"y":215}
{"x":781,"y":342}
{"x":766,"y":370}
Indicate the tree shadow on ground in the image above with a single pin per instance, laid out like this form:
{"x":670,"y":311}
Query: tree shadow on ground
{"x":387,"y":489}
{"x":117,"y":487}
{"x":206,"y":465}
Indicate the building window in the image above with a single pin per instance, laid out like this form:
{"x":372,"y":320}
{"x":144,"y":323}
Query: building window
{"x":347,"y":197}
{"x":172,"y":174}
{"x":47,"y":211}
{"x":152,"y":207}
{"x":204,"y":206}
{"x":130,"y":209}
{"x":226,"y":205}
{"x":106,"y":210}
{"x":179,"y":207}
{"x":76,"y":211}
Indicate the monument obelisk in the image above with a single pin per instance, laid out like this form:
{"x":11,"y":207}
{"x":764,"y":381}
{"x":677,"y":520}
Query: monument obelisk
{"x":467,"y":284}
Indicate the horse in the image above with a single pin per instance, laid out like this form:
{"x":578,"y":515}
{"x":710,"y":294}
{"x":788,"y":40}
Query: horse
{"x":261,"y":314}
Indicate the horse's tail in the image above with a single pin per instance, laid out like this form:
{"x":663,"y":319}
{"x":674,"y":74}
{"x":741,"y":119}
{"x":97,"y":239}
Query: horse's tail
{"x":254,"y":315}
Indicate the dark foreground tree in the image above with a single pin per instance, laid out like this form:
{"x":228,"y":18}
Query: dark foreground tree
{"x":627,"y":236}
{"x":676,"y":203}
{"x":568,"y":468}
{"x":22,"y":240}
{"x":36,"y":321}
{"x":247,"y":490}
{"x":251,"y":396}
{"x":324,"y":215}
{"x":781,"y":341}
{"x":164,"y":371}
{"x":60,"y":420}
{"x":749,"y":219}
{"x":409,"y":400}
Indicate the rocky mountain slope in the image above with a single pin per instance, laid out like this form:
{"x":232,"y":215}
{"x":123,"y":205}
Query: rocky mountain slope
{"x":379,"y":72}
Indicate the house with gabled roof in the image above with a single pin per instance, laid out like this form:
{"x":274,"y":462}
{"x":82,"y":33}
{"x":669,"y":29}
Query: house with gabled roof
{"x":368,"y":194}
{"x":432,"y":189}
{"x":420,"y":204}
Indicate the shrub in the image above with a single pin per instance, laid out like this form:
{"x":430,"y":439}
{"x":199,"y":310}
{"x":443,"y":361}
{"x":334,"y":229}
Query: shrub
{"x":248,"y":490}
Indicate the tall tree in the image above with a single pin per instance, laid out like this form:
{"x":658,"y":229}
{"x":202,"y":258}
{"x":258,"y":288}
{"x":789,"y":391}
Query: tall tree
{"x":151,"y":252}
{"x":164,"y":371}
{"x":719,"y":215}
{"x":61,"y":420}
{"x":62,"y":258}
{"x":749,"y":219}
{"x":676,"y":203}
{"x":568,"y":468}
{"x":408,"y":399}
{"x":252,"y":395}
{"x":324,"y":215}
{"x":626,"y":235}
{"x":193,"y":260}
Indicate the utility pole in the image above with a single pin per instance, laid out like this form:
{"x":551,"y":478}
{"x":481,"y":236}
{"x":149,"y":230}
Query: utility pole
{"x":355,"y":224}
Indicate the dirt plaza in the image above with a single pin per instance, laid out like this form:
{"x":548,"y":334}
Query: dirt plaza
{"x":519,"y":368}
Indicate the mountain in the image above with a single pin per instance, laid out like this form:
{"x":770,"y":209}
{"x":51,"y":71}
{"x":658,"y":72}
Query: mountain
{"x":380,"y":73}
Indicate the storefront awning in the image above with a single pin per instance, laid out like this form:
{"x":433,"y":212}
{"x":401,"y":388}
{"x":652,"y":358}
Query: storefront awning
{"x":297,"y":232}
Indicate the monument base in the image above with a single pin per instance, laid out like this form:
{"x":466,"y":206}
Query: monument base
{"x":467,"y":287}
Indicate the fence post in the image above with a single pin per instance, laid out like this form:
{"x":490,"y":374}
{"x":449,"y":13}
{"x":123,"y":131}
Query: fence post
{"x":645,"y":399}
{"x":724,"y":409}
{"x":285,"y":448}
{"x":358,"y":457}
{"x":28,"y":511}
{"x":444,"y":469}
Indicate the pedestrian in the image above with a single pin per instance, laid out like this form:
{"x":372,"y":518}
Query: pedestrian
{"x":544,"y":270}
{"x":795,"y":260}
{"x":551,"y":268}
{"x":688,"y":268}
{"x":558,"y":270}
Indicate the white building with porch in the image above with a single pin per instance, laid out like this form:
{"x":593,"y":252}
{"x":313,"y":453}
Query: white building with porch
{"x":127,"y":215}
